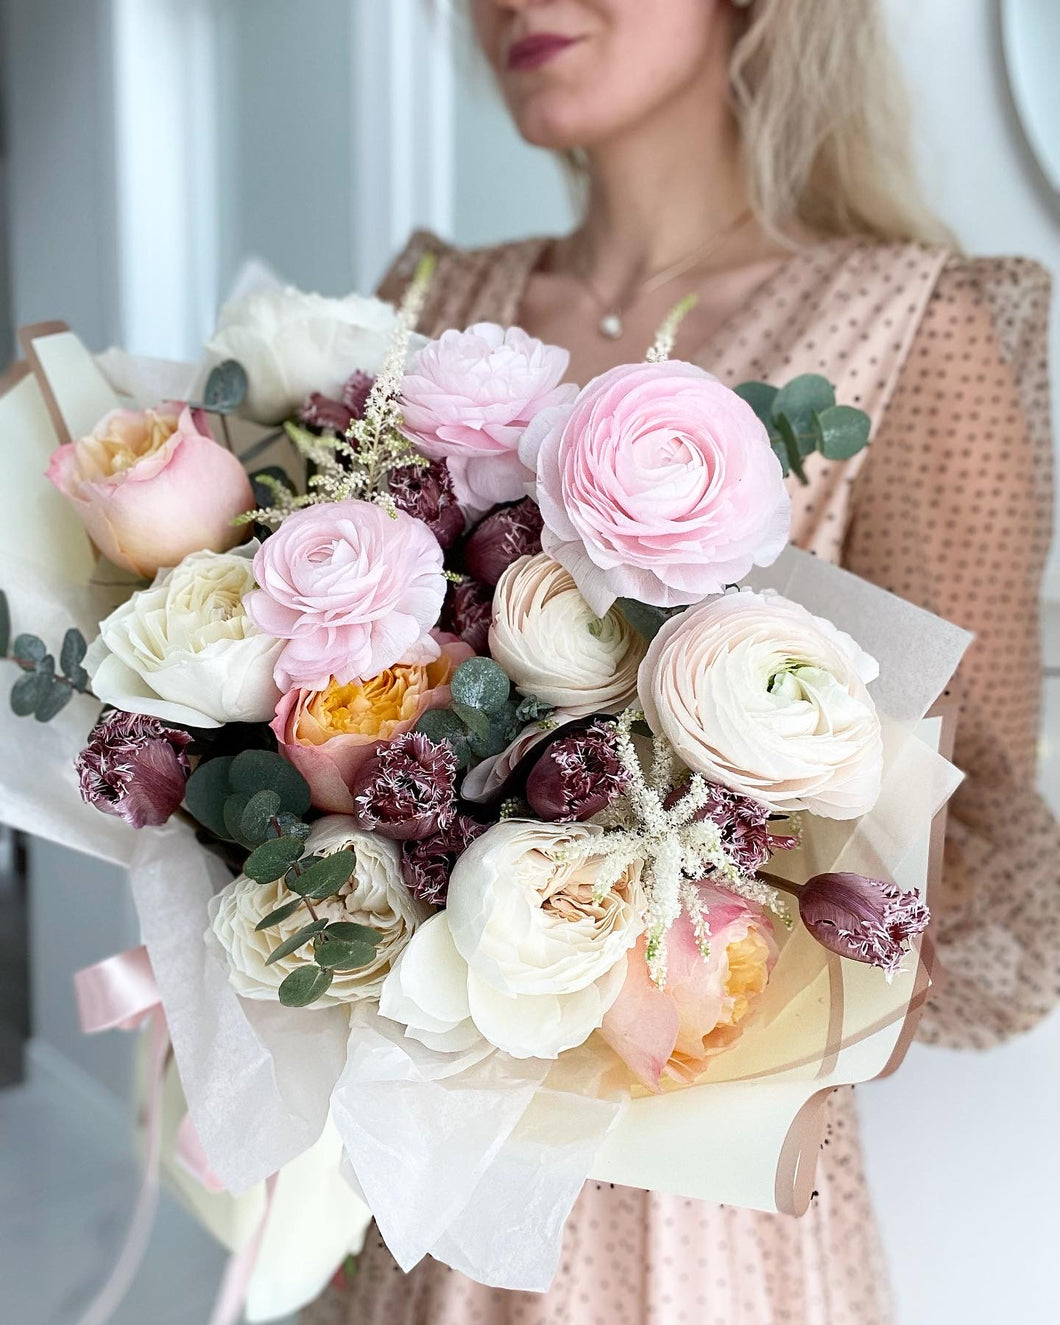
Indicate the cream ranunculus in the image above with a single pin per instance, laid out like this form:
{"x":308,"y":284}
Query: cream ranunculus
{"x":185,"y":650}
{"x":292,"y":344}
{"x":522,"y":955}
{"x":375,"y":896}
{"x":757,"y":694}
{"x":553,"y":645}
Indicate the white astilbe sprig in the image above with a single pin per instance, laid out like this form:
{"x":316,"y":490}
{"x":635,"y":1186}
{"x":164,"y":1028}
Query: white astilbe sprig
{"x":666,"y":337}
{"x":676,"y":849}
{"x":357,"y":466}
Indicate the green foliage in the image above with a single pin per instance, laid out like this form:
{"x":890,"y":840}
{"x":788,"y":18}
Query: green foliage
{"x":244,"y":798}
{"x":258,"y":814}
{"x":206,"y":793}
{"x":305,"y":986}
{"x":335,"y":956}
{"x":443,"y":725}
{"x":803,"y":417}
{"x":325,"y":876}
{"x":40,"y":693}
{"x":296,"y":941}
{"x":226,"y":388}
{"x":265,"y":770}
{"x":645,"y":619}
{"x":347,"y":931}
{"x":480,"y":684}
{"x":273,"y":858}
{"x":29,"y":651}
{"x":482,"y":718}
{"x":5,"y":624}
{"x":532,"y":709}
{"x":281,"y":913}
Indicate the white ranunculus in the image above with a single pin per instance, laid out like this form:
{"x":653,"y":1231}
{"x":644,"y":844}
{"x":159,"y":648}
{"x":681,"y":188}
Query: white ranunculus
{"x":553,"y":645}
{"x":759,"y":695}
{"x":522,"y":954}
{"x":375,"y":896}
{"x":292,"y":344}
{"x":185,"y":650}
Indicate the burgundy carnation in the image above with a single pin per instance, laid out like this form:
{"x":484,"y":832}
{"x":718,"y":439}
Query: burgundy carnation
{"x":864,"y":919}
{"x":329,"y":415}
{"x":504,"y":536}
{"x":468,"y":612}
{"x":426,"y":492}
{"x":134,"y":767}
{"x":427,"y":865}
{"x":406,"y":789}
{"x":577,"y":776}
{"x":744,"y":824}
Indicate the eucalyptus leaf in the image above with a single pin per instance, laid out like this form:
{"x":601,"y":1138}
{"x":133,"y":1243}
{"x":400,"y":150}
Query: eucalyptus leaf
{"x":343,"y":956}
{"x":26,"y":693}
{"x":503,"y":729}
{"x":296,"y":941}
{"x":645,"y":619}
{"x":226,"y":388}
{"x":279,"y":915}
{"x":760,"y":396}
{"x":844,"y":431}
{"x":265,"y":770}
{"x":801,"y":399}
{"x":475,"y":720}
{"x":54,"y":698}
{"x":234,"y":806}
{"x":206,"y":793}
{"x":273,"y":859}
{"x":72,"y":654}
{"x":305,"y":986}
{"x":29,"y":650}
{"x":289,"y":825}
{"x":791,"y":449}
{"x":325,"y":877}
{"x":443,"y":725}
{"x":347,"y":931}
{"x":480,"y":683}
{"x":532,"y":709}
{"x":5,"y":624}
{"x":256,"y":819}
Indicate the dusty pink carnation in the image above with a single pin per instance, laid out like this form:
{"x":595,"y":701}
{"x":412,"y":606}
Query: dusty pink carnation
{"x":469,"y":612}
{"x":330,"y":415}
{"x":469,"y":398}
{"x":427,"y":493}
{"x":658,"y":484}
{"x":135,"y":768}
{"x":407,"y":789}
{"x":352,"y":589}
{"x":502,"y":537}
{"x":744,"y":824}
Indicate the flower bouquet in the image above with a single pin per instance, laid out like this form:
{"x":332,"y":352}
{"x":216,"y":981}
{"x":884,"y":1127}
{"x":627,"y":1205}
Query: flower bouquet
{"x":513,"y":804}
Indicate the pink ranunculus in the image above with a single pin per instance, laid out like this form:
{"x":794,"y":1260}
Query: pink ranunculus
{"x":152,"y":486}
{"x":352,"y":589}
{"x":674,"y":1032}
{"x":468,"y":399}
{"x":328,"y":734}
{"x":658,"y":484}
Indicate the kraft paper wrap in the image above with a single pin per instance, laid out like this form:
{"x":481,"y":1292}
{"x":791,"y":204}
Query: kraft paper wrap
{"x":475,"y":1158}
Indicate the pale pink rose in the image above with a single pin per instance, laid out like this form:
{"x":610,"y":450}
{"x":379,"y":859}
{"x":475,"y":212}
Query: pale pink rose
{"x":352,"y":589}
{"x":658,"y":484}
{"x":674,"y":1032}
{"x":468,"y":399}
{"x":328,"y":734}
{"x":151,"y":486}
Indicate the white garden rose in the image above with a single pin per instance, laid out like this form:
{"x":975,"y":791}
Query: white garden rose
{"x":375,"y":896}
{"x":757,"y":694}
{"x":553,"y":645}
{"x":185,"y":650}
{"x":522,"y":955}
{"x":292,"y":344}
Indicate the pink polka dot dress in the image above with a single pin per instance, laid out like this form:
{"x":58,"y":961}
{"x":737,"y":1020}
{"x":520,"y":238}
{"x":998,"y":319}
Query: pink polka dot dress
{"x":950,"y":507}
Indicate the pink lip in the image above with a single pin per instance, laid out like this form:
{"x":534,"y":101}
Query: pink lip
{"x":534,"y":51}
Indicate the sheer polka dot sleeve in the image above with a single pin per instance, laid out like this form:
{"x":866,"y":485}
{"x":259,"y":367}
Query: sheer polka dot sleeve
{"x":953,"y":511}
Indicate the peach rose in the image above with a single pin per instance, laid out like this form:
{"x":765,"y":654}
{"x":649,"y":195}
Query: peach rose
{"x":328,"y":734}
{"x":675,"y":1031}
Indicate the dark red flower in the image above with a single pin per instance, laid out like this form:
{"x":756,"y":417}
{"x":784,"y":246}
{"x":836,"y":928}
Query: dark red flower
{"x":406,"y":789}
{"x":744,"y":824}
{"x":426,"y":492}
{"x":505,"y":535}
{"x":468,"y":612}
{"x":866,"y":920}
{"x":134,"y":767}
{"x":427,"y":865}
{"x":329,"y":415}
{"x":577,"y":776}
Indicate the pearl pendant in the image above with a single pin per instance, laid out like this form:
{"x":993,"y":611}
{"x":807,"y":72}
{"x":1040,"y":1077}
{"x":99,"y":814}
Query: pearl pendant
{"x":611,"y":326}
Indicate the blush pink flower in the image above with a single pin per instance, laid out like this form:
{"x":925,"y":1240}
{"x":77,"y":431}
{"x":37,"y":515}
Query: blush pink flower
{"x":658,"y":484}
{"x":151,"y":486}
{"x":469,"y":398}
{"x":353,"y":591}
{"x":674,"y":1032}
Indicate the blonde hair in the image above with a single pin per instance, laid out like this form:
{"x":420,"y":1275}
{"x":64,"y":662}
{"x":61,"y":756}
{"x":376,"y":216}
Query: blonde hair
{"x":825,"y":122}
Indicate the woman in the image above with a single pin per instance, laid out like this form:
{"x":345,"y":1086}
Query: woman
{"x":756,"y":154}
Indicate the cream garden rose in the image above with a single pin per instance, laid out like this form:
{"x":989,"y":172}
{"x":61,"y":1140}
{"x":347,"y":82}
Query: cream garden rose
{"x":762,"y":697}
{"x":185,"y":650}
{"x":553,"y":645}
{"x":522,"y":955}
{"x":375,"y":896}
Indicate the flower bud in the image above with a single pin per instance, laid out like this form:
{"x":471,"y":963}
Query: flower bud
{"x":134,"y":767}
{"x":406,"y":790}
{"x":468,"y":612}
{"x":866,"y":920}
{"x":328,"y":415}
{"x":744,"y":824}
{"x":426,"y":492}
{"x":577,"y":776}
{"x":505,"y":535}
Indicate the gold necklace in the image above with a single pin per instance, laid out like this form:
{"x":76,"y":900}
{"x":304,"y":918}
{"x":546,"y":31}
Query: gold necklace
{"x":613,"y":311}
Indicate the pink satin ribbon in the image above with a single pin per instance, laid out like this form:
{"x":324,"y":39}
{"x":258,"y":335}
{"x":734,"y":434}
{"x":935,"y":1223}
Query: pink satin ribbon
{"x":120,"y":994}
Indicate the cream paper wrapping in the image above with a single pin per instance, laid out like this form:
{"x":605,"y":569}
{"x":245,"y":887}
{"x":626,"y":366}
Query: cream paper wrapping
{"x":477,"y":1159}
